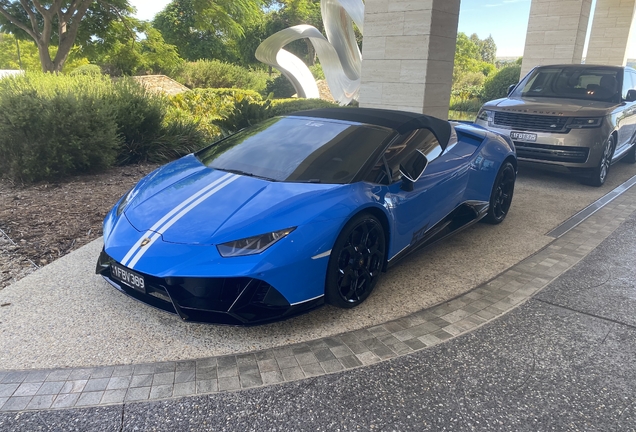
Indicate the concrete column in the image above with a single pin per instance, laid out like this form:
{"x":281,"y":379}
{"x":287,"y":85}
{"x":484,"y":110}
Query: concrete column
{"x":408,"y":54}
{"x":556,"y":33}
{"x":611,"y":31}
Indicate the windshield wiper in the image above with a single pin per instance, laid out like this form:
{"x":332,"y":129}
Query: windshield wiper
{"x":245,"y":173}
{"x":308,"y":181}
{"x":239,"y":172}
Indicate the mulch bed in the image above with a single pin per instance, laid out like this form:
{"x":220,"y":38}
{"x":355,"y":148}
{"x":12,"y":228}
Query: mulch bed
{"x":43,"y":222}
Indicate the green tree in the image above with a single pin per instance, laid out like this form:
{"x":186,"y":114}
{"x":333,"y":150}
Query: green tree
{"x":469,"y":58}
{"x":60,"y":23}
{"x":497,"y":85}
{"x":488,"y":50}
{"x":288,"y":13}
{"x":134,"y":47}
{"x":29,"y":58}
{"x":226,"y":17}
{"x":177,"y":23}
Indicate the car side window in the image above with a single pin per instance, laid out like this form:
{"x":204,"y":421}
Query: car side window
{"x":627,"y":83}
{"x":633,"y":75}
{"x":379,"y":174}
{"x":419,"y":139}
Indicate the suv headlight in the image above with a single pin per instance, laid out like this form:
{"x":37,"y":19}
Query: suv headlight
{"x":485,"y":115}
{"x":252,"y":245}
{"x":585,"y":122}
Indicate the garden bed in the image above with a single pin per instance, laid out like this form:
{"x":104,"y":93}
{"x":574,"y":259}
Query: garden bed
{"x":43,"y":222}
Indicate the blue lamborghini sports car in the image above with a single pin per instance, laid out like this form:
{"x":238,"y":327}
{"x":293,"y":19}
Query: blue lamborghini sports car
{"x":301,"y":210}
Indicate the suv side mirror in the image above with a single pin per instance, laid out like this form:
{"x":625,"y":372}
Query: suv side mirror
{"x":631,"y":96}
{"x":412,"y":169}
{"x":511,"y":88}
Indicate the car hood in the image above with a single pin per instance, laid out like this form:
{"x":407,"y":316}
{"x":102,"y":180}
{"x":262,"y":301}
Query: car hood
{"x":209,"y":206}
{"x":552,"y":106}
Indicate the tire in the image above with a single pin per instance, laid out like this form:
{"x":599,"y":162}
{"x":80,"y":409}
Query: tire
{"x":599,"y":174}
{"x":501,"y":196}
{"x":630,"y":157}
{"x":356,"y":262}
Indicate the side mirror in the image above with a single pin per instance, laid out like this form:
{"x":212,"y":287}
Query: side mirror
{"x":631,"y":96}
{"x":511,"y":88}
{"x":412,"y":169}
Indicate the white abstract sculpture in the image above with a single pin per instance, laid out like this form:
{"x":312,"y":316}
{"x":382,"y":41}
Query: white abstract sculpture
{"x":339,"y":54}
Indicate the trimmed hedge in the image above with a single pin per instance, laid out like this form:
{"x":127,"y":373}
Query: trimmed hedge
{"x":247,"y":113}
{"x":496,"y":86}
{"x":221,"y":111}
{"x":218,"y":74}
{"x":53,"y":126}
{"x":286,"y":106}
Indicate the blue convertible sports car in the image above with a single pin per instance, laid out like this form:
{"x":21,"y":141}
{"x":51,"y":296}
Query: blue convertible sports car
{"x":301,"y":210}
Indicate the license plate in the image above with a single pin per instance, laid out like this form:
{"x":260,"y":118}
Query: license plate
{"x":522,"y":136}
{"x":128,"y":277}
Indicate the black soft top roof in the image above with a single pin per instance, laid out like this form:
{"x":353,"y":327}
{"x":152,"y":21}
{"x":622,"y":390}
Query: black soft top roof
{"x":401,"y":121}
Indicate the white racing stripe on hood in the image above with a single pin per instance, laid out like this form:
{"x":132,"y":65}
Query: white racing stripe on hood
{"x":173,"y":216}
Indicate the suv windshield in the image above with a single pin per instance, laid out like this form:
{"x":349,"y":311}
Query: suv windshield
{"x":297,"y":149}
{"x":572,"y":82}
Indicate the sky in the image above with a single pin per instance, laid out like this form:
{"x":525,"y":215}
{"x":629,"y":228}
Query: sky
{"x":505,"y":20}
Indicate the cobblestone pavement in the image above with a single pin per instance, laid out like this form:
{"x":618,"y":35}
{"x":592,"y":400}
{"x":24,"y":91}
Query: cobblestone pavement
{"x":99,"y":386}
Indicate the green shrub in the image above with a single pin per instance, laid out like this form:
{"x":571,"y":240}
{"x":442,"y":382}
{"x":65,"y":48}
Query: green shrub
{"x":280,"y":87}
{"x":496,"y":86}
{"x":207,"y":106}
{"x":465,"y":104}
{"x":245,"y":113}
{"x":89,"y":69}
{"x":286,"y":106}
{"x":178,"y":137}
{"x":139,"y":114}
{"x":52,"y":127}
{"x":217,"y":74}
{"x":317,"y":71}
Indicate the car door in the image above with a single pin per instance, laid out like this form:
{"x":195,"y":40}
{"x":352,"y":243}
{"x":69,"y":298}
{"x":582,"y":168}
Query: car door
{"x":626,"y":119}
{"x":433,"y":196}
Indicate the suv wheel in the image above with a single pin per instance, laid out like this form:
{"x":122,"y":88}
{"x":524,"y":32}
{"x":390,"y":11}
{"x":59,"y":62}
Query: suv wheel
{"x":599,"y":174}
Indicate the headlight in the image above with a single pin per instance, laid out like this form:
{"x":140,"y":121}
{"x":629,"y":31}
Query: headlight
{"x":585,"y":122}
{"x":252,"y":245}
{"x":485,"y":115}
{"x":124,"y":202}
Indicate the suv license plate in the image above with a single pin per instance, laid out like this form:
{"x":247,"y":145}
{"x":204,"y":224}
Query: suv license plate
{"x":522,"y":136}
{"x":128,"y":277}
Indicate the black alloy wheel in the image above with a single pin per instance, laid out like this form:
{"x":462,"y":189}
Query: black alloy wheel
{"x":356,"y":262}
{"x":599,"y":174}
{"x":501,"y":196}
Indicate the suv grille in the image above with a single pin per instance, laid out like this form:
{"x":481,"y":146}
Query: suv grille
{"x":530,"y":122}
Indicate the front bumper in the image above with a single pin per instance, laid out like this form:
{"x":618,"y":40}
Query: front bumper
{"x":240,"y":301}
{"x":578,"y":149}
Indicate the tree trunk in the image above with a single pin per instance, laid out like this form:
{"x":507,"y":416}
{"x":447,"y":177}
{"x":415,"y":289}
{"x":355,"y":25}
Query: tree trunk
{"x":45,"y":57}
{"x":311,"y":52}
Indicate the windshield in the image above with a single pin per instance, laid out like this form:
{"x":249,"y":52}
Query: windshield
{"x":297,"y":149}
{"x":572,"y":82}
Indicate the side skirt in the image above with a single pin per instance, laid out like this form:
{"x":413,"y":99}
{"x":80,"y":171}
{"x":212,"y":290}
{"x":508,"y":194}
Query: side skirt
{"x":464,"y":215}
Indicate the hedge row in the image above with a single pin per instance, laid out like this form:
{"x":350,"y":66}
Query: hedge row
{"x":223,"y":111}
{"x":53,"y":126}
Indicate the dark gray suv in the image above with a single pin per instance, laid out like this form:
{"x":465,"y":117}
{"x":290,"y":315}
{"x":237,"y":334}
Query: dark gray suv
{"x":581,"y":117}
